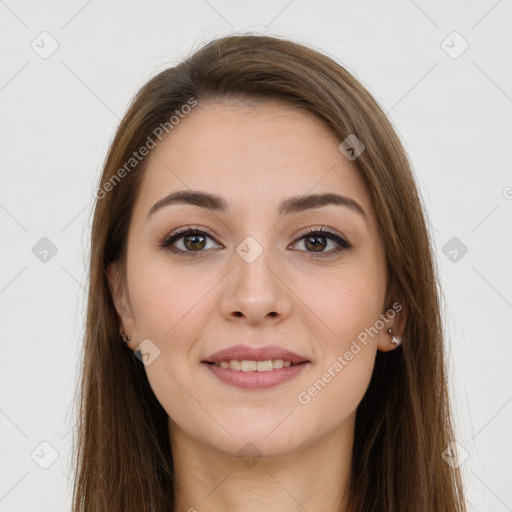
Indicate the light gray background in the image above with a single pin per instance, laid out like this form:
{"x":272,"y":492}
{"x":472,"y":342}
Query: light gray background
{"x":59,"y":114}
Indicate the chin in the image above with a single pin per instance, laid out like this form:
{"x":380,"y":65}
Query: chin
{"x":259,"y":442}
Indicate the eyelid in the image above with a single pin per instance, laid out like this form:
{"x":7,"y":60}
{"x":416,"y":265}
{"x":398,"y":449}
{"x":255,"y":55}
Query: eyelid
{"x":175,"y":235}
{"x":321,"y":229}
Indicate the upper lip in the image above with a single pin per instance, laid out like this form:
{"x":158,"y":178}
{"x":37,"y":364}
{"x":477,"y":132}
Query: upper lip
{"x":254,"y":354}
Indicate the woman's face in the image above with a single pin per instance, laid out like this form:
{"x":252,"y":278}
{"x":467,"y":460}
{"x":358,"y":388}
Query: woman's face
{"x":254,"y":276}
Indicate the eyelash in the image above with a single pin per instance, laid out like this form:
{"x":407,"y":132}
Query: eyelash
{"x":189,"y":230}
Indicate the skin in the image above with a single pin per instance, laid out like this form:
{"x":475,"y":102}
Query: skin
{"x":191,"y":307}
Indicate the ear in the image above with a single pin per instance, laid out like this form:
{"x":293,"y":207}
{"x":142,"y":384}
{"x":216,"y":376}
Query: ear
{"x":397,"y":316}
{"x":120,"y":297}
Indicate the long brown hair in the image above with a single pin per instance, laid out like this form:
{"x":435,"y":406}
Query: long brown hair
{"x":123,"y":455}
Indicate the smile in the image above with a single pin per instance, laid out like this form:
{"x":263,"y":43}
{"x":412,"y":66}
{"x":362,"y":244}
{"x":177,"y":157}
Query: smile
{"x":246,"y":365}
{"x":246,"y":374}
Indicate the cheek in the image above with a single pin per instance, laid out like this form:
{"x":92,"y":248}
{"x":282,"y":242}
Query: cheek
{"x":164,"y":297}
{"x":345,"y":304}
{"x":335,"y":392}
{"x":347,"y":353}
{"x":349,"y":306}
{"x":170,"y":309}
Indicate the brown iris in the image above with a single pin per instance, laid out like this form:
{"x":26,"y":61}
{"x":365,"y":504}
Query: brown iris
{"x":317,"y":245}
{"x":194,"y":242}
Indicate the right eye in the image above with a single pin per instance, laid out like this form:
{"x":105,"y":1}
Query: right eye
{"x":192,"y":240}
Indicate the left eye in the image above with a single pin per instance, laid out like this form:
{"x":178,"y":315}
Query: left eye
{"x":194,"y":241}
{"x":317,"y":240}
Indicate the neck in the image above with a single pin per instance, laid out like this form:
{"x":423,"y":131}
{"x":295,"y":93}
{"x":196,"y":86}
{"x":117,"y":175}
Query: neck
{"x":313,"y":476}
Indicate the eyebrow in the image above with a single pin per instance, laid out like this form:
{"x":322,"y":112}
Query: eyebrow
{"x":291,"y":205}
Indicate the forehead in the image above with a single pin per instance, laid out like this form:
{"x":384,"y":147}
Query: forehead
{"x":263,"y":151}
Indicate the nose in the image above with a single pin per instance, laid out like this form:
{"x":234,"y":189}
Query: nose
{"x":256,"y":291}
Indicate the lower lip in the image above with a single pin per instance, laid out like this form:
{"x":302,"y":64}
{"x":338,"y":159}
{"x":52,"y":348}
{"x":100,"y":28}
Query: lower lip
{"x":256,"y":380}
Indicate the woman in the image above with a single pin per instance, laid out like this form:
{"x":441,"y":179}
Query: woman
{"x":260,"y":247}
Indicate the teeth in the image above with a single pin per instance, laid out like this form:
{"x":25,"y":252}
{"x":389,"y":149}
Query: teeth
{"x":254,"y":366}
{"x":235,"y":365}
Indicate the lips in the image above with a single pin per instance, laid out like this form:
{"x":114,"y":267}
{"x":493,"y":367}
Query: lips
{"x":246,"y":352}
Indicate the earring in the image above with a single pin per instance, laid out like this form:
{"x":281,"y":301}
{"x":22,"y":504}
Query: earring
{"x":126,"y":337}
{"x":396,"y":340}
